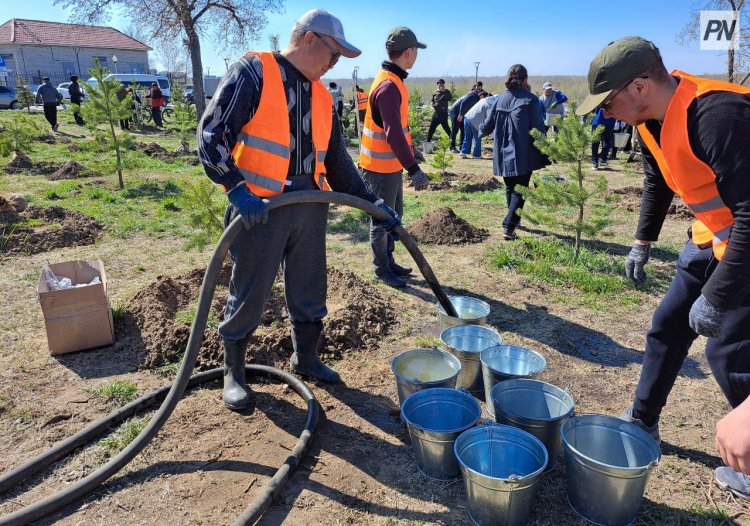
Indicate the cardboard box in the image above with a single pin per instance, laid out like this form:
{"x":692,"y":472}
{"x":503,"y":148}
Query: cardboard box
{"x":76,"y":318}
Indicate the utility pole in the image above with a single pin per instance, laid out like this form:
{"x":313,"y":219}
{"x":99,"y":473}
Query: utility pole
{"x":226,"y":62}
{"x":355,"y":72}
{"x":476,"y":72}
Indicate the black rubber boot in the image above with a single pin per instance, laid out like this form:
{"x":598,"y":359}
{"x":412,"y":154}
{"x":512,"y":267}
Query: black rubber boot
{"x":305,"y":338}
{"x":236,"y":393}
{"x":397,"y":269}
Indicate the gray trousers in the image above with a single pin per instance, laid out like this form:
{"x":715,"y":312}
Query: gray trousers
{"x":295,"y":238}
{"x":388,"y":187}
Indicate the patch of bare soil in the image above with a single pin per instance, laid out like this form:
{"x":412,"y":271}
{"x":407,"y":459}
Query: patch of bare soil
{"x":157,"y":151}
{"x":629,"y":197}
{"x":18,"y":163}
{"x":443,"y":227}
{"x":72,"y":170}
{"x":38,"y":230}
{"x":160,"y":315}
{"x":472,"y":183}
{"x":679,"y":210}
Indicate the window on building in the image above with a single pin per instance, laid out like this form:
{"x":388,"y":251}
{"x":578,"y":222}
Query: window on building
{"x":102,"y":61}
{"x":137,"y":68}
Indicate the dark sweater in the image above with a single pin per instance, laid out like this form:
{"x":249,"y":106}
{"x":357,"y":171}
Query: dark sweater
{"x":236,"y":101}
{"x":718,"y":128}
{"x":441,"y":100}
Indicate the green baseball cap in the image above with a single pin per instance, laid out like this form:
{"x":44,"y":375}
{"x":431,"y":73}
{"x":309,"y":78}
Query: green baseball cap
{"x":402,"y":38}
{"x":617,"y":64}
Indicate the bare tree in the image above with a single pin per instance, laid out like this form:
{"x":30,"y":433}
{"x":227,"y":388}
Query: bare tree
{"x":737,"y":59}
{"x":171,"y":56}
{"x":234,"y":23}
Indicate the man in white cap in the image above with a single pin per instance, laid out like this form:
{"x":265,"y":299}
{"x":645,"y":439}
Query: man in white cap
{"x":270,"y":129}
{"x":553,"y":101}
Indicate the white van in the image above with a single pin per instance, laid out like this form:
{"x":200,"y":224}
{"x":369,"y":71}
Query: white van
{"x":143,"y":82}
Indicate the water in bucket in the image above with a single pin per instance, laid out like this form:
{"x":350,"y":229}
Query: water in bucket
{"x":534,"y":406}
{"x":418,"y":369}
{"x":608,"y":462}
{"x":500,"y":466}
{"x":435,"y":418}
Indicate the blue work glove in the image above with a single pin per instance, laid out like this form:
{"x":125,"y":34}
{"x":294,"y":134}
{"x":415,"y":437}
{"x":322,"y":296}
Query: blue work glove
{"x":419,"y":180}
{"x":251,"y":208}
{"x":635,"y":262}
{"x":387,"y":224}
{"x":705,"y":318}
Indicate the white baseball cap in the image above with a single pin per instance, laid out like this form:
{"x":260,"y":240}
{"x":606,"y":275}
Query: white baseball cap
{"x":324,"y":23}
{"x":547,"y":85}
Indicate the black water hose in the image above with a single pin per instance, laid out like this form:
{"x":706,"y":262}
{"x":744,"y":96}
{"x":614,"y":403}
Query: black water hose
{"x":184,"y":379}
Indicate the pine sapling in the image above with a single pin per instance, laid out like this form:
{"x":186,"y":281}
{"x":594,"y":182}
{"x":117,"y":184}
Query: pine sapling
{"x":206,"y":205}
{"x":442,"y":158}
{"x":18,"y":136}
{"x":184,"y":118}
{"x":24,"y":96}
{"x":105,"y":106}
{"x":579,"y":206}
{"x":419,"y":117}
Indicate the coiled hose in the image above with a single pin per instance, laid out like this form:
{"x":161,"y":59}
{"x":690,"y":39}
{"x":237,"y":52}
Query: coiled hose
{"x":171,"y":394}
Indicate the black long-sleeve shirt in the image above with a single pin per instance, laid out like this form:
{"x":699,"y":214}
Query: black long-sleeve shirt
{"x":719,"y":133}
{"x":236,"y":101}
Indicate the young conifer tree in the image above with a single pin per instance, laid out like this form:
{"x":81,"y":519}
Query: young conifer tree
{"x":23,"y":94}
{"x":443,"y":158}
{"x":105,"y":107}
{"x":184,"y":118}
{"x":419,"y":117}
{"x":580,"y":205}
{"x":18,"y":135}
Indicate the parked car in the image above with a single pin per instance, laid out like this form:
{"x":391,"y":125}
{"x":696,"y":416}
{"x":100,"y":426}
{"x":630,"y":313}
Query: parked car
{"x":8,"y":98}
{"x":143,"y":82}
{"x":188,"y":89}
{"x":63,"y":89}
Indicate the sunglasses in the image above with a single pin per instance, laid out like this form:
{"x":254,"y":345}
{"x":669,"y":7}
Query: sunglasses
{"x":335,"y":55}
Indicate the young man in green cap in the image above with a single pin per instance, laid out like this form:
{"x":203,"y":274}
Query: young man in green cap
{"x":694,"y":133}
{"x":386,"y":147}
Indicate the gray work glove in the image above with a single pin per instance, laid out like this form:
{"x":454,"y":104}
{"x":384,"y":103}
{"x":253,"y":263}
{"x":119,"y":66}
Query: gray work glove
{"x":705,"y":318}
{"x":251,"y":208}
{"x":418,"y":155}
{"x":419,"y":180}
{"x":635,"y":262}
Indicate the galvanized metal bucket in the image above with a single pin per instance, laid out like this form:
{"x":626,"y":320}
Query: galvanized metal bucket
{"x":466,"y":342}
{"x":435,"y":418}
{"x":536,"y":407}
{"x":418,"y":369}
{"x":471,"y":311}
{"x":608,"y":462}
{"x":621,"y":139}
{"x":428,"y":146}
{"x":500,"y":466}
{"x":504,"y":362}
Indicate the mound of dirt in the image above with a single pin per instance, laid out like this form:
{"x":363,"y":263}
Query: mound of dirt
{"x":159,"y":318}
{"x":38,"y":230}
{"x":679,"y":210}
{"x":629,"y":197}
{"x":18,"y":163}
{"x":444,"y":227}
{"x":479,"y":184}
{"x":72,"y":170}
{"x":154,"y":149}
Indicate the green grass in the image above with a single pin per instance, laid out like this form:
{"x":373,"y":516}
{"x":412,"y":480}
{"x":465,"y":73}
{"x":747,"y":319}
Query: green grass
{"x":597,"y":275}
{"x":709,"y":513}
{"x":123,"y":435}
{"x":351,"y":221}
{"x":120,"y":391}
{"x":186,"y":317}
{"x":118,"y":311}
{"x":168,"y":370}
{"x":425,"y":341}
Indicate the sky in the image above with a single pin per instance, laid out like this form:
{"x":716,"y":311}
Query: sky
{"x":548,"y":37}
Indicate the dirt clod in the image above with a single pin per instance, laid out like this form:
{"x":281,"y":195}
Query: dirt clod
{"x":444,"y":227}
{"x":38,"y":230}
{"x":72,"y":170}
{"x":159,"y":318}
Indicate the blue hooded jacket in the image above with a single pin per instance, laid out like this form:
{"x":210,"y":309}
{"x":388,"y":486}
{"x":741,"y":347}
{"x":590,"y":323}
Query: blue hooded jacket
{"x":512,"y":117}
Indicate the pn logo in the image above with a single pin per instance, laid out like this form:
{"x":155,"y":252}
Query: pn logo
{"x":720,"y":30}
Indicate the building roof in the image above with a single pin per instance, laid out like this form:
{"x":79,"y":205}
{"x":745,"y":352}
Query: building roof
{"x":38,"y":32}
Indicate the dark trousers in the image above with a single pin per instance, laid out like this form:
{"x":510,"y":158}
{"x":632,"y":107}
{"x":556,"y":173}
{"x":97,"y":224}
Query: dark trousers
{"x":388,"y":187}
{"x":607,"y":141}
{"x":294,"y":238}
{"x":156,"y":114}
{"x":514,"y":200}
{"x":124,"y":124}
{"x":361,"y":115}
{"x":457,"y":128}
{"x":438,"y":119}
{"x":50,"y":113}
{"x":670,"y":337}
{"x":77,"y":112}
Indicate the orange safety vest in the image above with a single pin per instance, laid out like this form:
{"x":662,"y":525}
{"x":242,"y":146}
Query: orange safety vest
{"x":375,"y":154}
{"x":361,"y":100}
{"x":689,"y":177}
{"x":262,"y":150}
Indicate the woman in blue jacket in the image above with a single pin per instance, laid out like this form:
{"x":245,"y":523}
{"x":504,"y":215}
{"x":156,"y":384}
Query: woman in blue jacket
{"x":514,"y":114}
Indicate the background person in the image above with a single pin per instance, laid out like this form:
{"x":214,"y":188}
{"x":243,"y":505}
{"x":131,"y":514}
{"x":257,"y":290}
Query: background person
{"x":694,"y":143}
{"x":338,"y":98}
{"x":440,"y":100}
{"x":606,"y":139}
{"x":513,"y":115}
{"x":50,"y":98}
{"x":472,"y":120}
{"x":157,"y":101}
{"x":553,"y":102}
{"x":76,"y":98}
{"x":247,"y":148}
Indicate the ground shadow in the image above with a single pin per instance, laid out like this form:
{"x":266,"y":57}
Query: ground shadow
{"x":154,"y":190}
{"x":707,"y":459}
